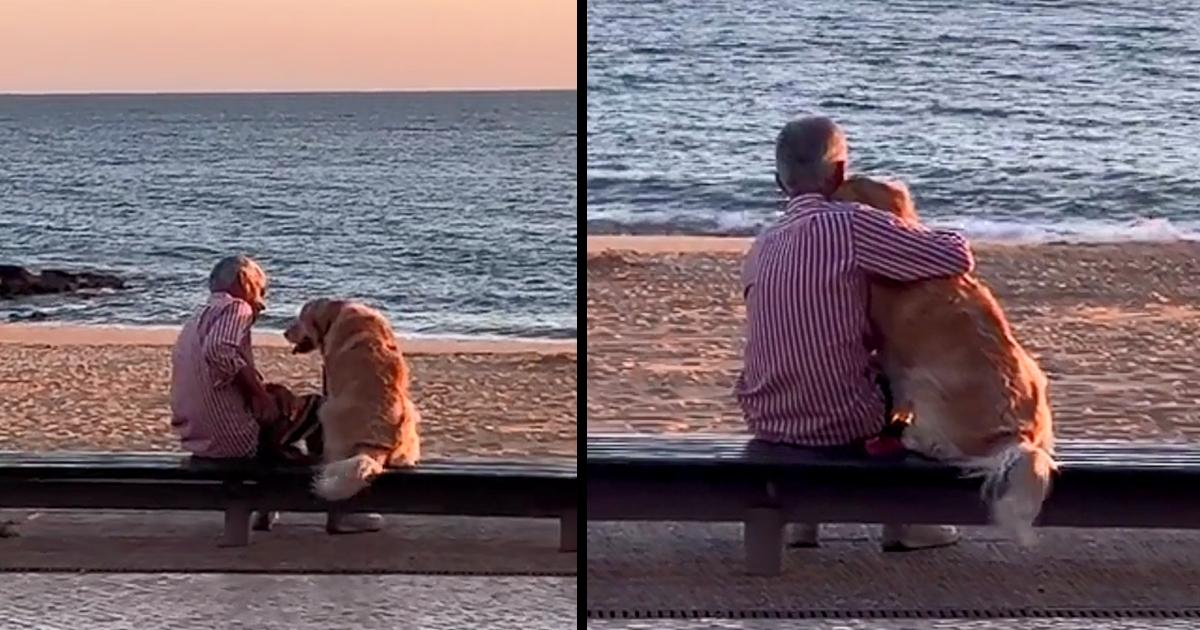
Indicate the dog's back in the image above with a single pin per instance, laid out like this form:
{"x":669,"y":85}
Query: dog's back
{"x":368,"y":406}
{"x":952,"y":355}
{"x":363,"y":358}
{"x":978,"y":398}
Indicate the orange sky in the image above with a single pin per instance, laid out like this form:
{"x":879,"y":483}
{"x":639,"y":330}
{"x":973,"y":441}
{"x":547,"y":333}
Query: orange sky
{"x":282,"y":45}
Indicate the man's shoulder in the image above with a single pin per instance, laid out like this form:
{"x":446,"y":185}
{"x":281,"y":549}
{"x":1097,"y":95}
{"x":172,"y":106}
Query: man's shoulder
{"x":229,"y":305}
{"x":835,"y":214}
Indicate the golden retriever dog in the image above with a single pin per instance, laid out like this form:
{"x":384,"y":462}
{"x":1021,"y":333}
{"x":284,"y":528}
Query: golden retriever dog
{"x":974,"y":396}
{"x":368,"y":420}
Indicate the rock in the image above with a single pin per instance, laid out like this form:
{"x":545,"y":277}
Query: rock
{"x":17,"y":281}
{"x":35,"y":316}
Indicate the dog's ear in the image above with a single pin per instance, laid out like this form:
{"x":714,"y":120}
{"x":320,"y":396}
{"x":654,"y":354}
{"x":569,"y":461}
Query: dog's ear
{"x":324,"y":314}
{"x":306,"y":322}
{"x":900,"y":201}
{"x":849,"y":190}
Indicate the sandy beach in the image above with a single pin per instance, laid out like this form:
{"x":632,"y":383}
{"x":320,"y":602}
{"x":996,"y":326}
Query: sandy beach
{"x":1114,"y":326}
{"x":96,"y":388}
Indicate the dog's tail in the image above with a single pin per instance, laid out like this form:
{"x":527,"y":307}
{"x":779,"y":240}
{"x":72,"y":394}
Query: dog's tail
{"x":345,"y":478}
{"x":1016,"y":481}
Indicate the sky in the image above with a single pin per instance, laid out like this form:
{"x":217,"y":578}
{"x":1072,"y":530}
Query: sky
{"x":54,"y":46}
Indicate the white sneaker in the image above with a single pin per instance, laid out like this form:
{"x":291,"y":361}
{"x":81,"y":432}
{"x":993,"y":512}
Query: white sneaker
{"x":805,"y":535}
{"x":354,"y":523}
{"x":263,"y":521}
{"x":913,"y":537}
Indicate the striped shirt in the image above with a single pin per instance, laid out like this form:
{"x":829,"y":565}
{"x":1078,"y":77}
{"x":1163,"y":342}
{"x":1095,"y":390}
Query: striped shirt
{"x":209,"y":413}
{"x":808,"y":376}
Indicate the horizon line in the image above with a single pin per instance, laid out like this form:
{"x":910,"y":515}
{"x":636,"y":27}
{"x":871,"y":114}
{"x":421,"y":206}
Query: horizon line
{"x":287,"y":92}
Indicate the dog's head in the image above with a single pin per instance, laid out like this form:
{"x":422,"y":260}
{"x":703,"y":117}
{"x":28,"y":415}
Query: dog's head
{"x":308,"y":331}
{"x":889,"y":196}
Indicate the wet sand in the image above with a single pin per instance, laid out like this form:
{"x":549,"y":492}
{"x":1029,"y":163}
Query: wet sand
{"x":1115,"y":326}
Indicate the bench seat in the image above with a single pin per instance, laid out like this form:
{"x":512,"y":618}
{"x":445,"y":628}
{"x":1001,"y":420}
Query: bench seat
{"x":715,"y":477}
{"x":545,"y":488}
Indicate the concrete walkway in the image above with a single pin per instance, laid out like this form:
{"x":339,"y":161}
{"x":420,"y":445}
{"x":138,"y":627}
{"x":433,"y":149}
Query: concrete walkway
{"x":681,"y":570}
{"x":266,"y":602}
{"x":893,"y":624}
{"x":129,"y":570}
{"x":175,"y":542}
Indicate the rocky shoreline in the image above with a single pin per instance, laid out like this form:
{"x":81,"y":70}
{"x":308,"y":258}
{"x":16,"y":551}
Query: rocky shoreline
{"x":17,"y":281}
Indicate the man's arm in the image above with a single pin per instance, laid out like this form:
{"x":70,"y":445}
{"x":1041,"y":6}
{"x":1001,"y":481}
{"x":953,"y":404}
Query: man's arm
{"x":221,"y":350}
{"x":888,"y":247}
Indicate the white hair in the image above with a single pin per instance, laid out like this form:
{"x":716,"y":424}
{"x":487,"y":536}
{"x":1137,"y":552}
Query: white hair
{"x":807,"y":150}
{"x":230,"y":272}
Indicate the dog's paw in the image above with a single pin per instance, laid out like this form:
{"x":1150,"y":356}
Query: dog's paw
{"x":902,"y":414}
{"x":404,"y":462}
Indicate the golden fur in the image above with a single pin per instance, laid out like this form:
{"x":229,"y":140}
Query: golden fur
{"x":368,"y":419}
{"x":973,"y":394}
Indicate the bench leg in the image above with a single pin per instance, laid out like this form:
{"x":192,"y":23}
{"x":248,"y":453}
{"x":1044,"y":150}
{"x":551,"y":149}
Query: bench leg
{"x":568,"y":532}
{"x":763,"y":533}
{"x":237,"y":525}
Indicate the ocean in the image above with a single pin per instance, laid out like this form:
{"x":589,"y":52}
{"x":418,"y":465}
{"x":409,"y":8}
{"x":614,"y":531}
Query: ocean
{"x":455,"y":213}
{"x":1014,"y":120}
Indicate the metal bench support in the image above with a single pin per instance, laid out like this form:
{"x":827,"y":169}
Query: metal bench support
{"x":763,"y":535}
{"x":237,"y":524}
{"x":568,"y":531}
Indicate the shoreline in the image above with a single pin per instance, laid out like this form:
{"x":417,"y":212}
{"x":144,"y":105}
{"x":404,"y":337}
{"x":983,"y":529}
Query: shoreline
{"x":62,"y":334}
{"x":697,"y":244}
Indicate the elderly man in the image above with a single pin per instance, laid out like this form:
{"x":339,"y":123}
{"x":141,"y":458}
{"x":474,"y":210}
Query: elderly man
{"x":219,"y":402}
{"x":809,"y":377}
{"x":220,"y":405}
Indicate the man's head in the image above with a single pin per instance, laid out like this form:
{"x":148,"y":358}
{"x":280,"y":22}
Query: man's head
{"x":810,"y":156}
{"x":242,"y":278}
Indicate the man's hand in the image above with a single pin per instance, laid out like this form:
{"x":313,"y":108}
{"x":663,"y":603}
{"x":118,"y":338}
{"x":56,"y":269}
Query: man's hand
{"x":264,"y":408}
{"x":263,"y":405}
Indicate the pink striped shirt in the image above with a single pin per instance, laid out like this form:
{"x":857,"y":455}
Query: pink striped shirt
{"x":208,"y":412}
{"x":808,"y":376}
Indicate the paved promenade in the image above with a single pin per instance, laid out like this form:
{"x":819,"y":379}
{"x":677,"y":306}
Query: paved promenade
{"x":1114,"y":578}
{"x":144,"y":571}
{"x":284,"y":602}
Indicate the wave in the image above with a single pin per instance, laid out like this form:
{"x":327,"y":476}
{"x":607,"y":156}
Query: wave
{"x":278,"y":330}
{"x":1156,"y":230}
{"x":982,"y":230}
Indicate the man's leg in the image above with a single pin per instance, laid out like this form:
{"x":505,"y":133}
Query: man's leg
{"x":264,"y":521}
{"x":339,"y":522}
{"x":336,"y":521}
{"x":267,"y":454}
{"x":914,"y":537}
{"x":808,"y":535}
{"x":804,"y":535}
{"x":277,"y":444}
{"x":305,"y":426}
{"x":897,"y":537}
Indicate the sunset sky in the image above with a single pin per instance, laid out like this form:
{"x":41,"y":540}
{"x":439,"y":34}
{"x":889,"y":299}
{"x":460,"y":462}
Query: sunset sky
{"x":285,"y":45}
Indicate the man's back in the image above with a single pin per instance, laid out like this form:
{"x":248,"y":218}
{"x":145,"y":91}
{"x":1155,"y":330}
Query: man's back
{"x":209,"y":414}
{"x":808,"y":377}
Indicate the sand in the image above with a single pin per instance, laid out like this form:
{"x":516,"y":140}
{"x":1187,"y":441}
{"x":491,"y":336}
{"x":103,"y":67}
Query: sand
{"x":95,"y":388}
{"x":1115,"y":326}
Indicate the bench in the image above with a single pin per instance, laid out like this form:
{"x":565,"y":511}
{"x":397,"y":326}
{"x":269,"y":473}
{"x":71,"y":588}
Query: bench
{"x":733,"y":478}
{"x":175,"y":481}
